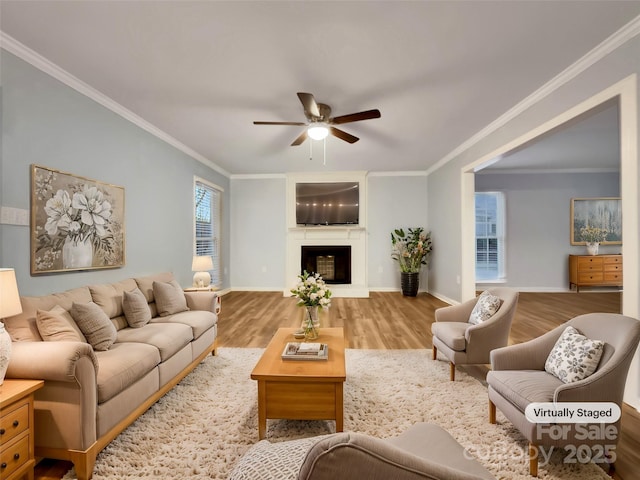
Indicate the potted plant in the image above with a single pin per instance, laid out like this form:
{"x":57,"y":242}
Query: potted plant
{"x":592,"y":237}
{"x":411,"y":249}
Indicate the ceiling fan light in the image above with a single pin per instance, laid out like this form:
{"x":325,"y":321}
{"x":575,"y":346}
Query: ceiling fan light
{"x":318,"y":132}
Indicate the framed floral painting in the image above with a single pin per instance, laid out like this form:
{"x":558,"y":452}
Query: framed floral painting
{"x":603,"y":215}
{"x":76,"y":223}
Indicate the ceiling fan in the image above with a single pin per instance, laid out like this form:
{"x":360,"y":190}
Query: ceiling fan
{"x":320,"y":123}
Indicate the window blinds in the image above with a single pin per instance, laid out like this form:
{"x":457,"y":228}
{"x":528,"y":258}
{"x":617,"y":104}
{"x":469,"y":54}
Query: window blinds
{"x":207,"y":231}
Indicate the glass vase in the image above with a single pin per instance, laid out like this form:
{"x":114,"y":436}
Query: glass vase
{"x":311,"y":323}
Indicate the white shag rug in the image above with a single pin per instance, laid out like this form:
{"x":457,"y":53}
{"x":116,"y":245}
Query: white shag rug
{"x":204,"y":425}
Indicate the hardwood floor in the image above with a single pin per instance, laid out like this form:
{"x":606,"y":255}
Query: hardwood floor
{"x":392,"y":321}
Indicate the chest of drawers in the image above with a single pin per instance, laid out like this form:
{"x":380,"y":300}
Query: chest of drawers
{"x":16,"y":428}
{"x":595,"y":270}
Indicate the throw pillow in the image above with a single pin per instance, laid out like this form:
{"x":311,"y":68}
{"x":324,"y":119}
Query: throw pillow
{"x":136,"y":309}
{"x":574,"y":356}
{"x":57,"y":325}
{"x":96,"y":325}
{"x":486,"y":306}
{"x":169,"y":297}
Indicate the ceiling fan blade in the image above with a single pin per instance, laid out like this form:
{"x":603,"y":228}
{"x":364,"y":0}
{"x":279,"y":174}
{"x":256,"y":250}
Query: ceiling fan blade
{"x":342,"y":135}
{"x":279,"y":123}
{"x":300,"y":139}
{"x":355,"y":117}
{"x":309,"y":104}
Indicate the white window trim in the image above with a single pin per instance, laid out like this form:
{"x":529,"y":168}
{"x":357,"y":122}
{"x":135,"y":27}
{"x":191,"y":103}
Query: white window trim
{"x":220,"y":189}
{"x":501,"y":235}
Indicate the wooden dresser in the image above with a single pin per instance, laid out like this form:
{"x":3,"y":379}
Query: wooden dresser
{"x":595,"y":270}
{"x":16,"y":428}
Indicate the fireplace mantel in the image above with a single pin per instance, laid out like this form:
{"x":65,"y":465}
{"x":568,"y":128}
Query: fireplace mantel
{"x":329,"y":235}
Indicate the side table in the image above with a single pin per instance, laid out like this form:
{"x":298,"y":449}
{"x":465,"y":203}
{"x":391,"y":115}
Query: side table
{"x":17,"y":457}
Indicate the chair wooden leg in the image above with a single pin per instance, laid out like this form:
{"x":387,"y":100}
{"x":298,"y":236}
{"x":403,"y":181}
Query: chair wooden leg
{"x":533,"y":460}
{"x":452,"y":371}
{"x":492,"y":412}
{"x":435,"y":352}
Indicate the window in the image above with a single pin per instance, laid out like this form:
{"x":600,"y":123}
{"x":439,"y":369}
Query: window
{"x":490,"y":243}
{"x":207,"y":224}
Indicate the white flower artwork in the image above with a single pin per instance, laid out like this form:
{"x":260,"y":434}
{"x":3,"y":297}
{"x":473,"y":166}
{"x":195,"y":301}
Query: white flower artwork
{"x":76,"y":223}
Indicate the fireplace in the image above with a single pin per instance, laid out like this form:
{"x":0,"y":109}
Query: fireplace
{"x":332,"y":262}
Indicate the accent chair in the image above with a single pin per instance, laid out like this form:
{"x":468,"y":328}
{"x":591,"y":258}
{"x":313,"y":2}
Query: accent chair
{"x":462,"y":342}
{"x":519,"y":377}
{"x":423,"y":451}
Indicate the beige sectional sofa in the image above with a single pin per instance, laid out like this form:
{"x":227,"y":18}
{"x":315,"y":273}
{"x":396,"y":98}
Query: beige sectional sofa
{"x":90,"y":395}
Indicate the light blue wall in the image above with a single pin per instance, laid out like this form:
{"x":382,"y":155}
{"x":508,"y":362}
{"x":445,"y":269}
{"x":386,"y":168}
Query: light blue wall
{"x":394,"y":202}
{"x":445,"y":183}
{"x":258,"y":231}
{"x":537,"y":223}
{"x":49,"y":124}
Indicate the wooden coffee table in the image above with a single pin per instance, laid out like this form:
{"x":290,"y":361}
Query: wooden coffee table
{"x":301,"y":389}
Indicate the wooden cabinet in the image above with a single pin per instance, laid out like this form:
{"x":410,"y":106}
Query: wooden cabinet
{"x":595,"y":270}
{"x":16,"y":428}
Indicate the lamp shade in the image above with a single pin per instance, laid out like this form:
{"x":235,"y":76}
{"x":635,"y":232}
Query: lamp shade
{"x":9,"y":298}
{"x":318,"y":132}
{"x":202,"y":263}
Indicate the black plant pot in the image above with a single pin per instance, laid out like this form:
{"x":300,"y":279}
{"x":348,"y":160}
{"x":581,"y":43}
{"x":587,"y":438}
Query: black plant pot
{"x":409,"y":282}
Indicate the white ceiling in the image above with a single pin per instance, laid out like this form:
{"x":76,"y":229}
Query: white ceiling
{"x":203,"y":71}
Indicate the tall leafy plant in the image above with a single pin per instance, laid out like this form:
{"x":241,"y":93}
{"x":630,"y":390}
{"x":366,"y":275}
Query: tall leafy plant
{"x":411,"y":249}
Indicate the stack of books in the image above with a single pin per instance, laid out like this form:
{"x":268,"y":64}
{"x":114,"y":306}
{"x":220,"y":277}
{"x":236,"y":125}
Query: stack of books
{"x":305,"y":351}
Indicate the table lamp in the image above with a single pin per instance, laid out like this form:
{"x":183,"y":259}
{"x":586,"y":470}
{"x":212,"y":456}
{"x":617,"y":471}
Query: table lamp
{"x":202,"y":264}
{"x":9,"y":305}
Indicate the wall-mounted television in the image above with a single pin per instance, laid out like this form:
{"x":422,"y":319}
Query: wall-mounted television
{"x":327,"y":203}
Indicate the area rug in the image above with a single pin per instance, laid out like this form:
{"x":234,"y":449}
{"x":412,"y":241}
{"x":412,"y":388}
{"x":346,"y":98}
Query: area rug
{"x":202,"y":427}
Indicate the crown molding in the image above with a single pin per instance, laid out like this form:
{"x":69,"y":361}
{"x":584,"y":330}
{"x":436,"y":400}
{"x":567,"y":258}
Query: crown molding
{"x":407,"y":173}
{"x":626,"y":33}
{"x":533,"y":171}
{"x":30,"y":56}
{"x":256,"y":176}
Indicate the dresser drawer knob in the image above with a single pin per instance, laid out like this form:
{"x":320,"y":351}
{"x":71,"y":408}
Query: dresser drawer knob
{"x":2,"y":431}
{"x":16,"y":423}
{"x":16,"y":456}
{"x":3,"y":466}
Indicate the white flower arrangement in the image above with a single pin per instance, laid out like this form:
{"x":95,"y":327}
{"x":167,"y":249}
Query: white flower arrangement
{"x":311,"y":291}
{"x":84,"y":216}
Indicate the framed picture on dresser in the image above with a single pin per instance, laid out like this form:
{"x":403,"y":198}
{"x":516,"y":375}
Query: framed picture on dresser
{"x":604,"y":213}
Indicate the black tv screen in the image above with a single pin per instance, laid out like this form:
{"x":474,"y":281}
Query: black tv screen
{"x":328,"y":203}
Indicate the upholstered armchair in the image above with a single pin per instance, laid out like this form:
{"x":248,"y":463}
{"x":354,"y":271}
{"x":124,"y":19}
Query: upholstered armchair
{"x":464,"y":343}
{"x":518,"y":378}
{"x":424,"y":451}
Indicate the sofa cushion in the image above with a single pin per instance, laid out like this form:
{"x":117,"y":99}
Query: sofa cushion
{"x":273,"y":461}
{"x":23,"y":327}
{"x":521,"y":390}
{"x":574,"y":356}
{"x":109,"y":296}
{"x":451,"y":334}
{"x":57,"y":325}
{"x":123,"y":365}
{"x":145,"y":284}
{"x":136,"y":309}
{"x":169,"y":297}
{"x":168,"y":338}
{"x":486,"y":306}
{"x":94,"y":324}
{"x":200,"y":321}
